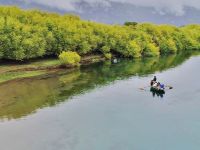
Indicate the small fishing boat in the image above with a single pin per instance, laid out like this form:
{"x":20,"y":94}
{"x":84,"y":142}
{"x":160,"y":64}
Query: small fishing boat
{"x":157,"y":90}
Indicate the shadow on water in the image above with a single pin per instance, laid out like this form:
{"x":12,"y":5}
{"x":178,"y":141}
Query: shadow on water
{"x":23,"y":97}
{"x":157,"y":93}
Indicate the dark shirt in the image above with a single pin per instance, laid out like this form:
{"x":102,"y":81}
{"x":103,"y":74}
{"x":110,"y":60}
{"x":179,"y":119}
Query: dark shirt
{"x":152,"y":82}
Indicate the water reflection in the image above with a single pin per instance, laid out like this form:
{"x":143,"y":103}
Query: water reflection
{"x":23,"y":97}
{"x":157,"y":93}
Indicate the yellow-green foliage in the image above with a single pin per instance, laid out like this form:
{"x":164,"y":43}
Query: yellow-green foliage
{"x":105,"y":49}
{"x":69,"y":58}
{"x":108,"y":55}
{"x":134,"y":50}
{"x":151,"y":50}
{"x":33,"y":34}
{"x":168,"y":46}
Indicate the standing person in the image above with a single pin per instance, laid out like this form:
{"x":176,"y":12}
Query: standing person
{"x":153,"y":81}
{"x":154,"y":78}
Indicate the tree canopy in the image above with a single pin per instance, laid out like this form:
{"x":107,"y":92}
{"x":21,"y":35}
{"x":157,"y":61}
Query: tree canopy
{"x":26,"y":34}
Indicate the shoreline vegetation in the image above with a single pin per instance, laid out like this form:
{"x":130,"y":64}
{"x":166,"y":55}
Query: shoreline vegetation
{"x":12,"y":70}
{"x":29,"y":37}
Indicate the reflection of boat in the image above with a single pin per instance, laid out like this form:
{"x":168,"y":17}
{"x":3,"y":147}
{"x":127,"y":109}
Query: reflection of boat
{"x":157,"y":90}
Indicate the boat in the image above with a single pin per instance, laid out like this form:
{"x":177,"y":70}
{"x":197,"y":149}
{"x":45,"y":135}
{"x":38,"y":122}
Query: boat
{"x":157,"y":90}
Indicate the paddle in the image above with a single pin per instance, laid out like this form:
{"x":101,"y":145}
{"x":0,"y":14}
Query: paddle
{"x":170,"y":87}
{"x":143,"y":88}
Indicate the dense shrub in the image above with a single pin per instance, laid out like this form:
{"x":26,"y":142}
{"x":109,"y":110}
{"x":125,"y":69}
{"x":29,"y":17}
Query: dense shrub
{"x":134,"y":49}
{"x":32,"y":34}
{"x":105,"y":49}
{"x":108,"y":55}
{"x":69,"y":58}
{"x":168,"y":46}
{"x":151,"y":50}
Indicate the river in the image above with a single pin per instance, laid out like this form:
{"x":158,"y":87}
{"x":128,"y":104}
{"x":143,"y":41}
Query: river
{"x":101,"y":107}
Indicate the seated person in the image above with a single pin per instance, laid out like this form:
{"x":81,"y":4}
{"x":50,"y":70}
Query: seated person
{"x":162,"y":86}
{"x":158,"y":85}
{"x":155,"y":84}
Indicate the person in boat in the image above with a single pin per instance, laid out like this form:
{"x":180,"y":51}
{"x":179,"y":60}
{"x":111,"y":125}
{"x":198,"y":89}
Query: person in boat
{"x":154,"y":78}
{"x":158,"y":85}
{"x":155,"y":84}
{"x":153,"y":81}
{"x":162,"y":86}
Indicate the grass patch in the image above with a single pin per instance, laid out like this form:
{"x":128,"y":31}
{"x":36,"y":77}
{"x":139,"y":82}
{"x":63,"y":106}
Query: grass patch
{"x":35,"y":64}
{"x":46,"y":63}
{"x":11,"y":71}
{"x":15,"y":75}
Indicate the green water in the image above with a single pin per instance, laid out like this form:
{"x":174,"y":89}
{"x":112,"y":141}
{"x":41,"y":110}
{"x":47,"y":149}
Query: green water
{"x":101,"y":107}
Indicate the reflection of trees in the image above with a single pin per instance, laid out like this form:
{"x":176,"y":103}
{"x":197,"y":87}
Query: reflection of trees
{"x":20,"y":98}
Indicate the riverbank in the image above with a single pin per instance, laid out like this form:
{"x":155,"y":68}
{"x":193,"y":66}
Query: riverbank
{"x":10,"y":71}
{"x":13,"y":71}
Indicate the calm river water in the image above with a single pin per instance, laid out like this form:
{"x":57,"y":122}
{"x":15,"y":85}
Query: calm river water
{"x":101,"y":107}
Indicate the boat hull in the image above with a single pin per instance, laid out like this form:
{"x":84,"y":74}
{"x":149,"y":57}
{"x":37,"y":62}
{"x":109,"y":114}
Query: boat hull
{"x":156,"y":90}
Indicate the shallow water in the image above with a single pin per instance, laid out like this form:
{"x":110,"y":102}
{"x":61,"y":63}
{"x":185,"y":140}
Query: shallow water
{"x":101,"y":108}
